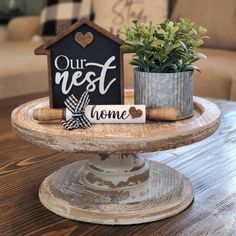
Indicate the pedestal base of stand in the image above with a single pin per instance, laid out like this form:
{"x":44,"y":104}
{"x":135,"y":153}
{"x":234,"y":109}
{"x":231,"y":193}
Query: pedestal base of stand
{"x":116,"y":190}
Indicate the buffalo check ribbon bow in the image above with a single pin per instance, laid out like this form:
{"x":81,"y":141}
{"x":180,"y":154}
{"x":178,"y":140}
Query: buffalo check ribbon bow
{"x":77,"y":108}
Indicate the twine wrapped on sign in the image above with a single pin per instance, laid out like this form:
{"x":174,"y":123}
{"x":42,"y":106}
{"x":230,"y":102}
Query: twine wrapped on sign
{"x":77,"y":108}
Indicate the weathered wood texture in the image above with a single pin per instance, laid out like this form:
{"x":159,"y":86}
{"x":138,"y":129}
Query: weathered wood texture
{"x":210,"y":164}
{"x":121,"y":138}
{"x":116,"y":190}
{"x":100,"y":192}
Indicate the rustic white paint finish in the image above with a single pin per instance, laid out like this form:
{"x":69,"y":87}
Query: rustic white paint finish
{"x":165,"y":193}
{"x":115,"y":171}
{"x":117,"y":188}
{"x":122,"y":138}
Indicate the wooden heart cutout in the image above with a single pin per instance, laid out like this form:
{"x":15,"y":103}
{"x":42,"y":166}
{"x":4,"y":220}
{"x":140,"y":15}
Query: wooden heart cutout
{"x":84,"y":39}
{"x":135,"y":113}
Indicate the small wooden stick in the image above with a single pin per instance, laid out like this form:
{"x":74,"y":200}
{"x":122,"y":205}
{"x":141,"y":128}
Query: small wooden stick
{"x":157,"y":114}
{"x":49,"y":114}
{"x":162,"y":113}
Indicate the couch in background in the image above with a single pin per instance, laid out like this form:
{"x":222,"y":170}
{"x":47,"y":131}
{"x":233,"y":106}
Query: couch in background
{"x":21,"y":72}
{"x":218,"y":77}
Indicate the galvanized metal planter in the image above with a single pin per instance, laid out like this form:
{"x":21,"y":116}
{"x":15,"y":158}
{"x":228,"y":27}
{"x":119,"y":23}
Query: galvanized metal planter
{"x":165,"y":90}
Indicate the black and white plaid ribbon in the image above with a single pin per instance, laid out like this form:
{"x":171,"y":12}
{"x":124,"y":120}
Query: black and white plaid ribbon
{"x":77,"y":108}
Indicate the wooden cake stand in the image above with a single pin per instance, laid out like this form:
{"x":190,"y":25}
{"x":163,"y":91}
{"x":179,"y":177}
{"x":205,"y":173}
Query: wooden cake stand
{"x":116,"y":186}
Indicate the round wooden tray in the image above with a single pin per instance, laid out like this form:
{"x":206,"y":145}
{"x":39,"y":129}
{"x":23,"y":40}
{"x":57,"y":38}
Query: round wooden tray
{"x":122,"y":138}
{"x":116,"y":186}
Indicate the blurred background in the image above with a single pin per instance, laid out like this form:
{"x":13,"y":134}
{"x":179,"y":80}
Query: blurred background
{"x":9,"y":8}
{"x":25,"y":24}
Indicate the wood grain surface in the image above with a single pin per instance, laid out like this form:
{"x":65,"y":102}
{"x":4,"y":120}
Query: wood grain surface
{"x":210,"y":164}
{"x":121,"y":138}
{"x":117,"y":192}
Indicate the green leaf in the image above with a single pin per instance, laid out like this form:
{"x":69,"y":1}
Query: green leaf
{"x":200,"y":55}
{"x":166,"y":47}
{"x":183,"y":45}
{"x":127,"y":48}
{"x":202,"y":30}
{"x":191,"y":67}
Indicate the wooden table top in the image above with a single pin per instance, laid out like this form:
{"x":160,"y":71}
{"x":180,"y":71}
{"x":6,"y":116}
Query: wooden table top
{"x":210,"y":164}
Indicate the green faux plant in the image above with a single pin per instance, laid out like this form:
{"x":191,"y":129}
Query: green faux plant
{"x":164,"y":48}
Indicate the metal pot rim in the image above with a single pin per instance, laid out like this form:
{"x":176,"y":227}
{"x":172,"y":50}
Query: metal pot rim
{"x":137,"y":69}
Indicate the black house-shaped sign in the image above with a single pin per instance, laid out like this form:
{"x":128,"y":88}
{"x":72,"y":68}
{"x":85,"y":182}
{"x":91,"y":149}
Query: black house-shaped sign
{"x":85,"y":57}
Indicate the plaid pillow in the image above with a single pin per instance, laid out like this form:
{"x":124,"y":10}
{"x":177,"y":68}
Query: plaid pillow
{"x":59,"y":14}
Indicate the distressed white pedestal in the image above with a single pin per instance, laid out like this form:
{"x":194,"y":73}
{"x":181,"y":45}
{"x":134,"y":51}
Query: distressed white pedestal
{"x":116,"y":186}
{"x":120,"y":189}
